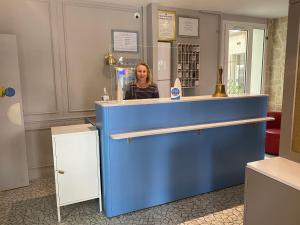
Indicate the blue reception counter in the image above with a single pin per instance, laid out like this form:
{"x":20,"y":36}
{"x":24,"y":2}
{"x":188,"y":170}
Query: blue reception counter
{"x":156,"y":151}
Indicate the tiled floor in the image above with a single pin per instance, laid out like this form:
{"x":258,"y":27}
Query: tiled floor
{"x":36,"y":204}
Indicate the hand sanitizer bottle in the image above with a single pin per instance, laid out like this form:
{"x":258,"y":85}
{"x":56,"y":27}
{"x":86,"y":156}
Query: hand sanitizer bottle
{"x":177,"y":84}
{"x":176,"y":90}
{"x":105,"y":96}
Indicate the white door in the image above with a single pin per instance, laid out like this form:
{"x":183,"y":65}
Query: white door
{"x":13,"y":160}
{"x":77,"y":166}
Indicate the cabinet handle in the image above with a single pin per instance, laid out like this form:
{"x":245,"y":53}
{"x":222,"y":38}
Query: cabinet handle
{"x":61,"y":171}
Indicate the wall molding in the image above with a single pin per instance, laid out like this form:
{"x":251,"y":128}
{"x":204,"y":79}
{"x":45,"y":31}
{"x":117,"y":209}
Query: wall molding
{"x":54,"y":74}
{"x":47,"y":124}
{"x":93,"y":5}
{"x":41,"y":172}
{"x":63,"y":113}
{"x":102,"y":5}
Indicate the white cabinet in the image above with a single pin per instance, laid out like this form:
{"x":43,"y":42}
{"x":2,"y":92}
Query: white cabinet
{"x":272,"y":192}
{"x":76,"y":164}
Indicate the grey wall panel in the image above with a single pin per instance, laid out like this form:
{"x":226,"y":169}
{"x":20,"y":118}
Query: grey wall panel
{"x":87,"y":39}
{"x":39,"y":153}
{"x":290,"y":84}
{"x":30,"y":21}
{"x":152,"y":38}
{"x":209,"y":47}
{"x":209,"y":52}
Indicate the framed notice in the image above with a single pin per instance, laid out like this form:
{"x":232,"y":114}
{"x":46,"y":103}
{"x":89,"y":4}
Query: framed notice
{"x":166,"y":25}
{"x":125,"y":41}
{"x":188,"y":26}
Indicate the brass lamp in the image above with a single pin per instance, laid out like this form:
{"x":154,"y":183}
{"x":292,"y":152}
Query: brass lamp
{"x":109,"y":59}
{"x":220,"y":87}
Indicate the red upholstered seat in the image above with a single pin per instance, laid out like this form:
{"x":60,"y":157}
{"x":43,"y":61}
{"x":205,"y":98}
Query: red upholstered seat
{"x":273,"y":131}
{"x":273,"y":134}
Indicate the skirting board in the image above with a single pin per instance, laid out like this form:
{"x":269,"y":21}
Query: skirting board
{"x":41,"y":172}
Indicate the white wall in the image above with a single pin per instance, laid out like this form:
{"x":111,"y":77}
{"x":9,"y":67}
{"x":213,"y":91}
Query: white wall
{"x":61,"y":45}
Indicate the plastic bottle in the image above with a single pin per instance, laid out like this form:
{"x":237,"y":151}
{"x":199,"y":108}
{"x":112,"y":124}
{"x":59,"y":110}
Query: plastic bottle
{"x":177,"y":84}
{"x":105,"y":96}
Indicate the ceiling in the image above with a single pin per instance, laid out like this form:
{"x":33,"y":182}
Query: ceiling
{"x":254,"y":8}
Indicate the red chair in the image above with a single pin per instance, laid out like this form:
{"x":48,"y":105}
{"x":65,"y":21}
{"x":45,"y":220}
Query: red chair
{"x":273,"y":134}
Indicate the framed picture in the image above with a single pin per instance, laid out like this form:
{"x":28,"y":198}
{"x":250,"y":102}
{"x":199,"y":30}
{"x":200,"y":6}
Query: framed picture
{"x":124,"y":41}
{"x":188,"y":26}
{"x":166,"y":25}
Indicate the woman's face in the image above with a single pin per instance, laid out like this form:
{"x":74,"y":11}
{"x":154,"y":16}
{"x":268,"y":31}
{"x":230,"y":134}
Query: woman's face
{"x":141,"y":73}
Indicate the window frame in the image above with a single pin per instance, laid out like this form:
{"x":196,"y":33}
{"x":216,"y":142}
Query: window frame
{"x":249,"y":27}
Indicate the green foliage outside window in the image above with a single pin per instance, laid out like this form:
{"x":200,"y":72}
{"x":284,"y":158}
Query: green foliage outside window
{"x":234,"y":87}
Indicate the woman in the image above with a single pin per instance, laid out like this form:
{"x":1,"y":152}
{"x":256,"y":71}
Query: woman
{"x":143,"y":87}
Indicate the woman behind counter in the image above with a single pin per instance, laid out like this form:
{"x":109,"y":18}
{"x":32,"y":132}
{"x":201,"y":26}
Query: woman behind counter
{"x":143,"y":87}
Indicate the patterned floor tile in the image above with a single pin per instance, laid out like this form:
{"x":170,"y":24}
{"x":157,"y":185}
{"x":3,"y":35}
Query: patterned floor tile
{"x":36,"y":205}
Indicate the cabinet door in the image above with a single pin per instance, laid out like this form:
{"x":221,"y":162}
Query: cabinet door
{"x":76,"y":157}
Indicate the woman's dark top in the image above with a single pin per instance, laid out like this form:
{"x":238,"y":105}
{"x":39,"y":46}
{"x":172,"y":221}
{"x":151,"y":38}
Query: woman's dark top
{"x":134,"y":92}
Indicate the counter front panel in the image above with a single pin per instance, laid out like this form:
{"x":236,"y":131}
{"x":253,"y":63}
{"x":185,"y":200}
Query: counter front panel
{"x":145,"y":171}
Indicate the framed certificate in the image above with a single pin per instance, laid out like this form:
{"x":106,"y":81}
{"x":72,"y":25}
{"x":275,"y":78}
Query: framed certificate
{"x":166,"y":25}
{"x":125,"y":41}
{"x":188,"y":26}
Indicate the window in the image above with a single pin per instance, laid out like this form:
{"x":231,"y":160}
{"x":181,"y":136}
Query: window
{"x":243,"y":57}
